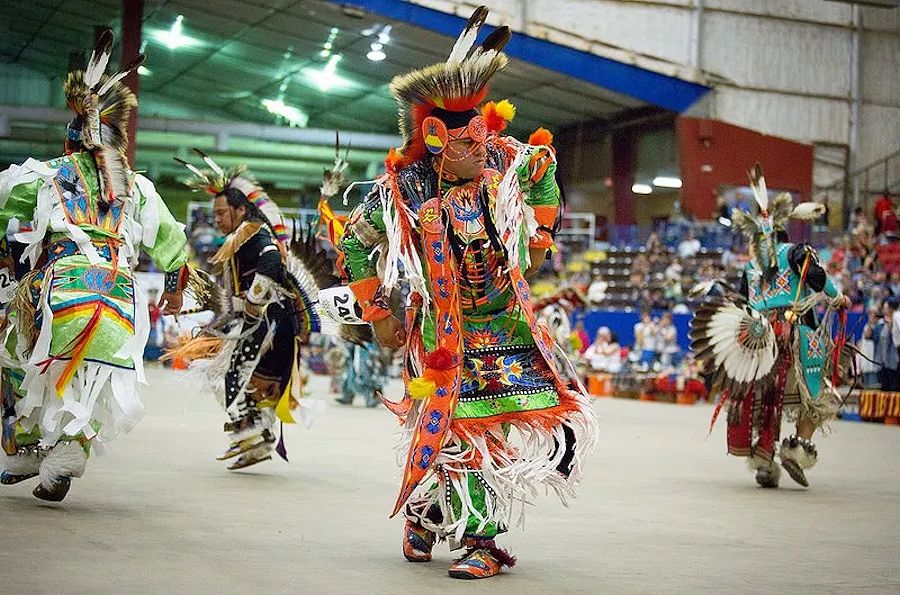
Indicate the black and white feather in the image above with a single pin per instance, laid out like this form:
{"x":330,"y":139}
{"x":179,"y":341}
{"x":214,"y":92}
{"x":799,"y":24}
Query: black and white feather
{"x":467,"y":38}
{"x":310,"y":270}
{"x":735,"y":343}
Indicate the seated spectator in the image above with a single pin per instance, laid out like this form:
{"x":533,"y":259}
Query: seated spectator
{"x":654,"y":245}
{"x":674,"y":270}
{"x":597,"y":289}
{"x":859,"y":225}
{"x":869,"y":364}
{"x":895,"y":284}
{"x":667,"y":342}
{"x":658,"y":300}
{"x":886,"y":337}
{"x":645,"y":341}
{"x":640,"y":265}
{"x":690,"y":246}
{"x":604,"y":354}
{"x":732,"y":257}
{"x":837,"y":262}
{"x":673,"y":291}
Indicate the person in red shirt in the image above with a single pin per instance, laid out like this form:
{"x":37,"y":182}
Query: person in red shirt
{"x":885,"y":217}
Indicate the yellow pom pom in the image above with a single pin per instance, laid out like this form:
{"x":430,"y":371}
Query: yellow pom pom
{"x":506,"y":110}
{"x":420,"y":388}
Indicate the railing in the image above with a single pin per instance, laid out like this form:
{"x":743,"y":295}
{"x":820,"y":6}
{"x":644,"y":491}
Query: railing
{"x":856,"y":190}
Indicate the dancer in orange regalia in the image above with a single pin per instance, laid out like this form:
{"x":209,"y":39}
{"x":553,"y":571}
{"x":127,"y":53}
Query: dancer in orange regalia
{"x":465,"y":214}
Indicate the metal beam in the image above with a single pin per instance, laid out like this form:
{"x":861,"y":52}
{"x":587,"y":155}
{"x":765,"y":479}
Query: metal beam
{"x":176,"y":143}
{"x":132,"y":13}
{"x":307,"y":136}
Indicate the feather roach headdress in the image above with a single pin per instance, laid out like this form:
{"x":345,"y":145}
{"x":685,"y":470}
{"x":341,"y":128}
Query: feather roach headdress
{"x":216,"y":180}
{"x":102,"y":106}
{"x":456,"y":86}
{"x":761,"y":229}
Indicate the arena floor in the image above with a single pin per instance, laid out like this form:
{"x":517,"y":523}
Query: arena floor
{"x":662,"y":510}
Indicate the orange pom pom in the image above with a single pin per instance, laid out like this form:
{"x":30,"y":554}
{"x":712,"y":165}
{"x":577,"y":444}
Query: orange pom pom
{"x":493,"y":120}
{"x":393,"y":161}
{"x":541,"y":137}
{"x":497,"y":115}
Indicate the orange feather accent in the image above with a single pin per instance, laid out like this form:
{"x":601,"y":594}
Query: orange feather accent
{"x":393,"y":161}
{"x":541,"y":136}
{"x":492,"y":118}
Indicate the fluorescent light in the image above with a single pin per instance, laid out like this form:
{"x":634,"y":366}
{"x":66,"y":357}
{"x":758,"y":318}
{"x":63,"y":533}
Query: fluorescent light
{"x":329,"y":43}
{"x":376,"y":55}
{"x":294,"y":115}
{"x":174,"y":38}
{"x":642,"y":188}
{"x":326,"y":78}
{"x":667,"y":182}
{"x":144,"y":71}
{"x":385,"y":35}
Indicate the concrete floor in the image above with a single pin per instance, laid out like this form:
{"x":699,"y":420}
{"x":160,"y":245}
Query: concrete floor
{"x":662,"y":510}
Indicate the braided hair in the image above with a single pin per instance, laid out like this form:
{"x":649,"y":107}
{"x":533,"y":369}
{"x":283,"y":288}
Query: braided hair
{"x":236,"y":199}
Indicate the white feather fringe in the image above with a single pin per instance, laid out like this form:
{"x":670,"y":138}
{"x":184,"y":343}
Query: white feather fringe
{"x":20,"y":464}
{"x":401,"y":253}
{"x":511,"y":478}
{"x":800,"y":456}
{"x":66,"y":459}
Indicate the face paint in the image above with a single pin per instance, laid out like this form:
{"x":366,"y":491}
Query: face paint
{"x":434,"y":131}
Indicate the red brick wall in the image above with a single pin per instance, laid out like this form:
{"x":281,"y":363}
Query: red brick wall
{"x":714,"y":153}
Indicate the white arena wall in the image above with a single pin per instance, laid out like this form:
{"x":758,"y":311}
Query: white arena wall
{"x":814,"y":71}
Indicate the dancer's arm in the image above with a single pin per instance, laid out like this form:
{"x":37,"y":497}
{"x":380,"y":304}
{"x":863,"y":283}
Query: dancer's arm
{"x":165,"y":243}
{"x":538,"y":177}
{"x":364,"y":233}
{"x":18,"y":195}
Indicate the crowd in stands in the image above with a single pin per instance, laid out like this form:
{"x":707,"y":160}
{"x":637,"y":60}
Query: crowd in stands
{"x":655,"y":347}
{"x":655,"y":277}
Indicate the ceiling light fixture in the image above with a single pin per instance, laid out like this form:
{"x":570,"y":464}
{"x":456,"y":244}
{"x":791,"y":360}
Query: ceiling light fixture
{"x":144,"y":71}
{"x":376,"y":54}
{"x":642,"y":189}
{"x":329,"y":43}
{"x":327,"y":77}
{"x":385,"y":35}
{"x":294,"y":116}
{"x":174,"y":38}
{"x":666,"y":182}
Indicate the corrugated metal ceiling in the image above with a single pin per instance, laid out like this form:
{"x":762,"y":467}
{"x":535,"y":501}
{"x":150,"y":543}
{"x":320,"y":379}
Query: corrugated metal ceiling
{"x":258,"y":49}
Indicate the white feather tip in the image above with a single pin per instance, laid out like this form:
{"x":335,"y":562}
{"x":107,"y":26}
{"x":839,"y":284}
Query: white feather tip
{"x":808,"y":211}
{"x":758,"y":185}
{"x":467,"y":38}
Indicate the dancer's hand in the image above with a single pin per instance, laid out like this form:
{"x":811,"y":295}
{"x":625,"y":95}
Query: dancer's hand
{"x":841,"y":301}
{"x":538,"y":256}
{"x":171,"y":301}
{"x":389,"y":332}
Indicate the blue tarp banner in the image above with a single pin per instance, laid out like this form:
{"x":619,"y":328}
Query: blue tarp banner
{"x":621,"y":323}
